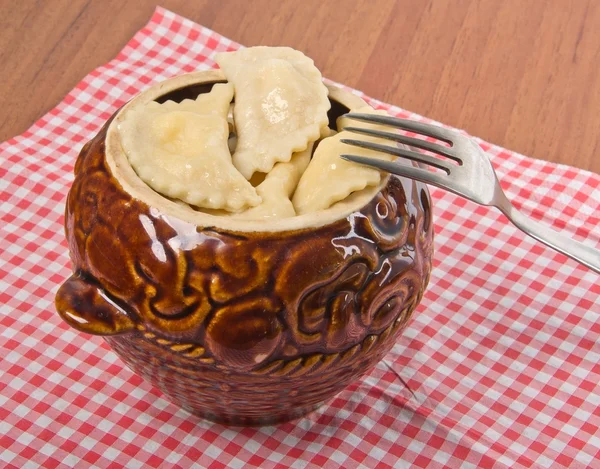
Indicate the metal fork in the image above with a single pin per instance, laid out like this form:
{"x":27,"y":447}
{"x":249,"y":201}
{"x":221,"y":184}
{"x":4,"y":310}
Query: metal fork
{"x":471,"y":175}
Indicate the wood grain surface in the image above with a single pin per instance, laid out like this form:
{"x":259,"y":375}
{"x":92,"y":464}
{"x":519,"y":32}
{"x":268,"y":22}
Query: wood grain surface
{"x":523,"y":74}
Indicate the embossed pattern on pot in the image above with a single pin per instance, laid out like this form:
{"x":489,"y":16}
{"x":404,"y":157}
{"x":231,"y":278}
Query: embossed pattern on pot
{"x":228,"y":323}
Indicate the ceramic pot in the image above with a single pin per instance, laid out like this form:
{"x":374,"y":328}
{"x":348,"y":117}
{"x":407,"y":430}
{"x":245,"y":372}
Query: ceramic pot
{"x":242,"y":322}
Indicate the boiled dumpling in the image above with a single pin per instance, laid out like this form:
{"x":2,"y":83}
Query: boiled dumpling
{"x":181,"y":151}
{"x":277,"y":188}
{"x":281,"y":105}
{"x":328,"y":178}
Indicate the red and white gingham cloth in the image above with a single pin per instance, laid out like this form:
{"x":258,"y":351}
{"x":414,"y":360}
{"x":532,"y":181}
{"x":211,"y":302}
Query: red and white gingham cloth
{"x":502,"y":359}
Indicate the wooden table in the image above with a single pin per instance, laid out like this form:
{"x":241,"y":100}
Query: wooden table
{"x":524,"y":74}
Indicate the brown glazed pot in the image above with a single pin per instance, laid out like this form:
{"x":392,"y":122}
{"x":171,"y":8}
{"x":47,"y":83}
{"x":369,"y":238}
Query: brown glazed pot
{"x":237,"y":321}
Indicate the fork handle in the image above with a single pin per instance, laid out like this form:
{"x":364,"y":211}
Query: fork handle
{"x":580,"y":252}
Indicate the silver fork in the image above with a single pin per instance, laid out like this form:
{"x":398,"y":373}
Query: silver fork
{"x":472,"y":177}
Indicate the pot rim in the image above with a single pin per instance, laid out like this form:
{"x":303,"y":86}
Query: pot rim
{"x":131,"y":183}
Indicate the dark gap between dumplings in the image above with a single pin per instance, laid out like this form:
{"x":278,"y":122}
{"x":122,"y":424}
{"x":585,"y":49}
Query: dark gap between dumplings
{"x":187,"y":92}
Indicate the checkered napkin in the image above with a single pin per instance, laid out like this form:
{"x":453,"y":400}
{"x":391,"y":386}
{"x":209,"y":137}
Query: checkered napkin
{"x":501,"y":361}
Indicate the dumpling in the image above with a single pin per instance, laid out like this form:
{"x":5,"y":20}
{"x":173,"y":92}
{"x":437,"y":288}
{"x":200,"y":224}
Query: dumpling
{"x":281,"y":105}
{"x":277,"y":188}
{"x":327,"y":132}
{"x":328,"y":178}
{"x":181,"y":151}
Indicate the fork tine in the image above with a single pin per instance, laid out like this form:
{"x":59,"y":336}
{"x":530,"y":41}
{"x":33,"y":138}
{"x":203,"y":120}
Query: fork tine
{"x":409,"y":171}
{"x":411,"y":155}
{"x":413,"y":142}
{"x":439,"y":133}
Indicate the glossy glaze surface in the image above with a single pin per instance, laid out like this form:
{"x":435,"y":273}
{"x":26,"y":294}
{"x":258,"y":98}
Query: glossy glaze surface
{"x":242,"y":327}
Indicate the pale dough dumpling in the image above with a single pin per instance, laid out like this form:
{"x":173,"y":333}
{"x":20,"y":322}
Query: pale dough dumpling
{"x":180,"y":150}
{"x":277,"y":188}
{"x":281,"y":105}
{"x":328,"y":178}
